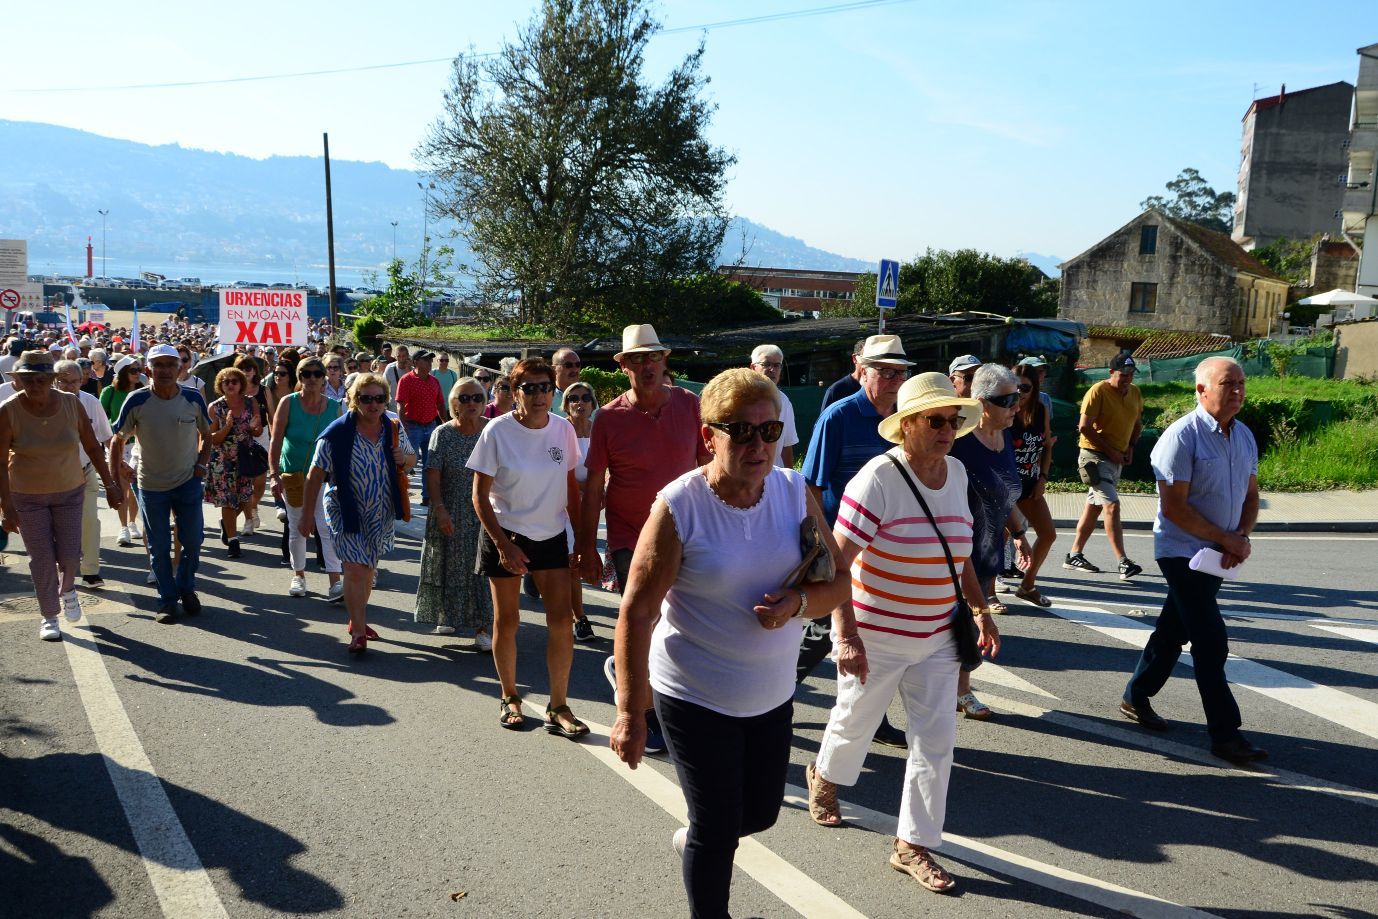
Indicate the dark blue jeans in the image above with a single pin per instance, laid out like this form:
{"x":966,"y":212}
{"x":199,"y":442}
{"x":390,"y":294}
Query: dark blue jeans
{"x":420,"y":437}
{"x":1190,"y":614}
{"x":732,"y":772}
{"x":184,"y":504}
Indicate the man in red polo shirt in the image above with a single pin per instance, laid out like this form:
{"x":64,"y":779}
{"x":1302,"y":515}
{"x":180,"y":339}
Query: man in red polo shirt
{"x":421,"y":406}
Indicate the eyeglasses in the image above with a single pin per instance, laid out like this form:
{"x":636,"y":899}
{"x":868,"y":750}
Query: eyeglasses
{"x":311,"y":374}
{"x":770,"y":365}
{"x":936,"y":422}
{"x":484,"y":379}
{"x":1025,"y":388}
{"x":1008,"y":400}
{"x":578,"y":397}
{"x":644,"y":357}
{"x":890,"y":373}
{"x":371,"y":400}
{"x":741,"y":432}
{"x":466,"y":398}
{"x":530,"y":389}
{"x":570,"y":365}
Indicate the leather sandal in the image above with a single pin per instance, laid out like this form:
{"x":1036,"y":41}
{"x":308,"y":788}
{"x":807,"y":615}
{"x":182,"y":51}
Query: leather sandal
{"x":918,"y":863}
{"x":822,"y":798}
{"x":511,"y":718}
{"x":554,"y":725}
{"x":1033,"y":596}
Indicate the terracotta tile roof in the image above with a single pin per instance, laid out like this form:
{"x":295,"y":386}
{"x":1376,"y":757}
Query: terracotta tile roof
{"x":1163,"y":344}
{"x":1223,"y":248}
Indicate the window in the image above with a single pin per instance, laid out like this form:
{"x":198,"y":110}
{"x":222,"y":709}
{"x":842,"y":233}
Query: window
{"x":1148,"y":241}
{"x":1143,"y":298}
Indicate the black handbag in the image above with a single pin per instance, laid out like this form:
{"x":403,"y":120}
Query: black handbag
{"x":253,"y":460}
{"x":964,"y":630}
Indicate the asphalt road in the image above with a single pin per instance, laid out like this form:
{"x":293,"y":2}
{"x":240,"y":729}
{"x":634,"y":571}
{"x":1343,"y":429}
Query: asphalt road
{"x":240,"y":764}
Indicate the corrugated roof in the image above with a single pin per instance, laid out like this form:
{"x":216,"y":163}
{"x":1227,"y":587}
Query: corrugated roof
{"x":1164,"y":344}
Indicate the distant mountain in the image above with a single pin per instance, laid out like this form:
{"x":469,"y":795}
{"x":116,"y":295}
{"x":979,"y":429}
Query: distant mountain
{"x":1046,"y":263}
{"x":179,"y":211}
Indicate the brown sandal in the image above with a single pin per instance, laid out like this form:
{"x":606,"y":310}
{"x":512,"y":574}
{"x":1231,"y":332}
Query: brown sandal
{"x":1033,"y":596}
{"x":918,"y":863}
{"x":822,"y":798}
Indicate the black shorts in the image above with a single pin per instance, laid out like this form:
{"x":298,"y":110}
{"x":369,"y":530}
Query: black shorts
{"x":1027,"y":488}
{"x":541,"y":555}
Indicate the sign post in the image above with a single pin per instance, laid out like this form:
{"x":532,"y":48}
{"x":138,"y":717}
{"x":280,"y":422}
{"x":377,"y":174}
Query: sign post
{"x":275,"y":318}
{"x":887,"y":288}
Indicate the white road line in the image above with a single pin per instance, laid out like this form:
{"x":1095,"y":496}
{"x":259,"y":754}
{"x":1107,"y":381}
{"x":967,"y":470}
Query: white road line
{"x":791,"y":885}
{"x":1368,"y":635}
{"x":996,"y":675}
{"x":179,"y":879}
{"x":1343,"y":709}
{"x":1009,"y":864}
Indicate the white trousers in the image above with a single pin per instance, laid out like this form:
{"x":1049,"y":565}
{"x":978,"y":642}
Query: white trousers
{"x":90,"y":524}
{"x":296,"y":543}
{"x":925,"y":673}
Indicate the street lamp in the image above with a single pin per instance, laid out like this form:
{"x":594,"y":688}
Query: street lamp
{"x":425,"y":225}
{"x":394,"y":240}
{"x":104,"y":268}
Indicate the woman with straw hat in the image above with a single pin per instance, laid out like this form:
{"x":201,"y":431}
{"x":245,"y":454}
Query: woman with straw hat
{"x":905,"y":600}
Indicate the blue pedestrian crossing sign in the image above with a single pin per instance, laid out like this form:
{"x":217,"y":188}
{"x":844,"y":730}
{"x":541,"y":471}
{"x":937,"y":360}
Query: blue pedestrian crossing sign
{"x":888,"y":284}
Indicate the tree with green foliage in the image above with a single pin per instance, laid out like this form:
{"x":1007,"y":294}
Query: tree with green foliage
{"x":577,"y":180}
{"x":401,"y":302}
{"x":697,"y":303}
{"x":943,"y":281}
{"x":1195,"y":201}
{"x":1290,"y":258}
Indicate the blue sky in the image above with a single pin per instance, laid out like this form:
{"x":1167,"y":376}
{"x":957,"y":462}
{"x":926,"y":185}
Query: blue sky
{"x":1007,"y":127}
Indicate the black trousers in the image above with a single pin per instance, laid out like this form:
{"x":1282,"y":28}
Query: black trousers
{"x":732,"y":772}
{"x":814,"y":647}
{"x":1190,"y":614}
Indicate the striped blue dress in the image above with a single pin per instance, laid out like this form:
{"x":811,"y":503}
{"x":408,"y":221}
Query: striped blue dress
{"x":371,"y":492}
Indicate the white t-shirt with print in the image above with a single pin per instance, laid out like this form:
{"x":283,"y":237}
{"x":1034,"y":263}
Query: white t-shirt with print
{"x":530,"y":470}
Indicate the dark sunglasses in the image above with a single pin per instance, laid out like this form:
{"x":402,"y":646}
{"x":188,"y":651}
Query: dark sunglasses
{"x":531,"y":389}
{"x":1025,"y":387}
{"x":279,"y":373}
{"x":579,"y":397}
{"x":503,"y":387}
{"x":484,"y":379}
{"x":466,"y":398}
{"x":310,"y":374}
{"x":936,"y":422}
{"x":890,"y":373}
{"x":570,"y":365}
{"x":372,"y":400}
{"x":741,"y":432}
{"x":1006,"y":401}
{"x":642,"y":357}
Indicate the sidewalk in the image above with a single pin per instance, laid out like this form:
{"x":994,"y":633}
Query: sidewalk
{"x":1297,"y":512}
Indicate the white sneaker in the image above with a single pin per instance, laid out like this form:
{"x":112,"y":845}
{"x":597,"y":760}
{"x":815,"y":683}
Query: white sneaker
{"x":443,"y":630}
{"x":282,"y":516}
{"x":250,"y":526}
{"x":483,"y":641}
{"x":336,"y":592}
{"x":298,"y":588}
{"x":50,"y":630}
{"x":71,"y":606}
{"x":126,"y":538}
{"x":151,"y":579}
{"x":680,"y":840}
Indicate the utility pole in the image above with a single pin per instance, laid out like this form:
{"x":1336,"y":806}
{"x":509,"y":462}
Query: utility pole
{"x":104,"y":268}
{"x":330,"y":235}
{"x":394,"y":240}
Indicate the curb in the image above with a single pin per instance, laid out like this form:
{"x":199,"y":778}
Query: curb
{"x":1263,"y":526}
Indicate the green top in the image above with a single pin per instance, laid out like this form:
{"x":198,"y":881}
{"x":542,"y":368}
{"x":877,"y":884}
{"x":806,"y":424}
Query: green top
{"x":112,"y":400}
{"x":299,"y":443}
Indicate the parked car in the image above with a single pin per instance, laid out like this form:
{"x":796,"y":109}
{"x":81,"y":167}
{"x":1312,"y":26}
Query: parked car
{"x":170,"y":284}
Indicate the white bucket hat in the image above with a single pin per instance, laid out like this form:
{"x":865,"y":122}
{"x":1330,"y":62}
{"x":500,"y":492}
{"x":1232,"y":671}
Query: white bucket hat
{"x":884,"y":349}
{"x":925,"y":391}
{"x":640,"y":339}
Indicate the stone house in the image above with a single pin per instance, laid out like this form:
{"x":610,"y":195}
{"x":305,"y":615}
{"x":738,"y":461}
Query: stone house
{"x":1158,"y":272}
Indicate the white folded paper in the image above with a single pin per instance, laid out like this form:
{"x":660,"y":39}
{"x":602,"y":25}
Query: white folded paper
{"x":1208,"y":561}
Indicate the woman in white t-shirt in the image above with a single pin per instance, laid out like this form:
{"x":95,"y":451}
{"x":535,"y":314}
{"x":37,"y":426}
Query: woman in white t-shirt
{"x":525,"y":496}
{"x":904,"y":600}
{"x":709,"y":632}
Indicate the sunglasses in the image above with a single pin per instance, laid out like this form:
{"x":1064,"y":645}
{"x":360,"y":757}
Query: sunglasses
{"x":372,"y":400}
{"x":1025,"y":387}
{"x":579,"y":397}
{"x":310,"y":374}
{"x":636,"y":360}
{"x":936,"y":422}
{"x":1006,"y":401}
{"x":531,"y":389}
{"x":279,"y":373}
{"x":741,"y":432}
{"x":890,"y":373}
{"x":484,"y":379}
{"x":466,"y":398}
{"x":503,"y":387}
{"x":351,"y":366}
{"x":570,"y":365}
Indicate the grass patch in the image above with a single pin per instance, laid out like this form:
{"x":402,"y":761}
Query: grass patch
{"x":474,"y":333}
{"x":1341,"y":455}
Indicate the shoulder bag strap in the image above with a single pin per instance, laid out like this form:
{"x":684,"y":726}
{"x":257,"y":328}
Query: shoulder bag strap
{"x":951,"y":566}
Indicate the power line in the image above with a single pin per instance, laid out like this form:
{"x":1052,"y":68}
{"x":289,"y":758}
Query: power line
{"x":705,"y":27}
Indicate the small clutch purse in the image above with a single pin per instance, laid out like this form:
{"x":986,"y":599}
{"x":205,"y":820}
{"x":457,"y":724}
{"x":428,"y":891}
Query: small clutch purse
{"x":817,"y":564}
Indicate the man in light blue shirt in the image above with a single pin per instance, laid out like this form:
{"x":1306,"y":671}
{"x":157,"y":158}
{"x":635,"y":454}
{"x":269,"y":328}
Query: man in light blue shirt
{"x":1206,"y":464}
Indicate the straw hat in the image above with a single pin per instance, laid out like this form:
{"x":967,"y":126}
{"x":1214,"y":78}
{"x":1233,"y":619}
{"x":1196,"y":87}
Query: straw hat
{"x":884,"y":349}
{"x":33,"y":362}
{"x":640,"y":339}
{"x":925,"y":391}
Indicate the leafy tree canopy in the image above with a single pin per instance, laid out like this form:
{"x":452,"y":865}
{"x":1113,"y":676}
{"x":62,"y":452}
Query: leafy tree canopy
{"x":943,"y":281}
{"x":578,"y":181}
{"x":401,"y":302}
{"x":1195,"y":201}
{"x":1290,"y":258}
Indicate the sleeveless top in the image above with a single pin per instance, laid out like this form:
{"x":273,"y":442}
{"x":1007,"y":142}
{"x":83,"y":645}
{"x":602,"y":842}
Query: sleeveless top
{"x":1029,"y":444}
{"x":45,"y":453}
{"x":708,"y":647}
{"x":299,"y":443}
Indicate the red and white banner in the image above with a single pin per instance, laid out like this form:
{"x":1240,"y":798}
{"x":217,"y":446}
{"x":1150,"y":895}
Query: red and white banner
{"x":273,"y":318}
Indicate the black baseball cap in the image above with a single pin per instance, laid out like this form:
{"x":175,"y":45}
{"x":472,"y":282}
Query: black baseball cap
{"x":1122,"y":361}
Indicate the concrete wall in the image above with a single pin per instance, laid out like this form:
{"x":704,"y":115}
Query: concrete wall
{"x":1257,"y":305}
{"x":1333,"y":265}
{"x":1356,"y":350}
{"x":1295,"y":152}
{"x":1196,"y":293}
